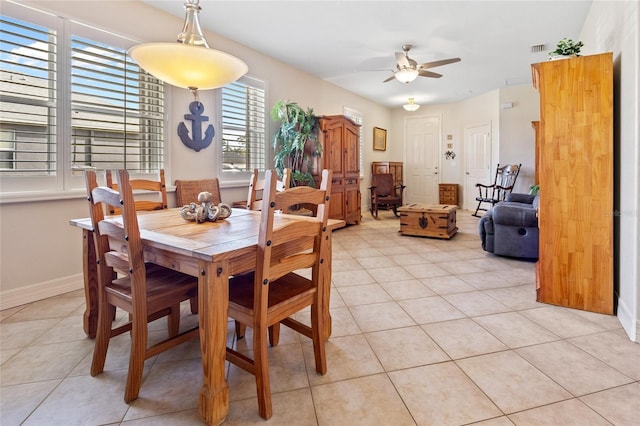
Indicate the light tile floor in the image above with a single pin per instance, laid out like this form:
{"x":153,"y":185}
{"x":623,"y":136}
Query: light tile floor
{"x":425,"y":332}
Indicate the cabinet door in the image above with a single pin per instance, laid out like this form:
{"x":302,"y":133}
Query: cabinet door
{"x":351,"y":145}
{"x":352,"y":204}
{"x":337,"y":203}
{"x":334,"y":144}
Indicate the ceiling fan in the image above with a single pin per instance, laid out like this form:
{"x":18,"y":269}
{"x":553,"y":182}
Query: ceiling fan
{"x":408,"y":69}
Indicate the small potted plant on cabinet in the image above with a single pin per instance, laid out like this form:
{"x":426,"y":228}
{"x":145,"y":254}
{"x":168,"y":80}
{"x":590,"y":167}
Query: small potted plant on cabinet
{"x":295,"y":140}
{"x":566,"y":48}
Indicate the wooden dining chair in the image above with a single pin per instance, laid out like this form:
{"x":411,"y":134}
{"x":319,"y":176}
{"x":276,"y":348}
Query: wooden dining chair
{"x":187,"y":190}
{"x":256,"y":188}
{"x":146,"y":291}
{"x":274,"y":292}
{"x":156,"y":189}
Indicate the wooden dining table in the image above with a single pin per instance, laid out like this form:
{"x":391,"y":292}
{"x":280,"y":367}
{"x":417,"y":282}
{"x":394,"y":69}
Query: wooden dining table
{"x":211,"y":251}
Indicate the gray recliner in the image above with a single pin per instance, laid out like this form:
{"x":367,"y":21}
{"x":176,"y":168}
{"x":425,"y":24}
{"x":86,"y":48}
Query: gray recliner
{"x":511,"y":227}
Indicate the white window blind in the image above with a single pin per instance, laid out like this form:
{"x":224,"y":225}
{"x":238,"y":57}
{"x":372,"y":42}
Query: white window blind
{"x":27,"y":98}
{"x":243,"y":126}
{"x":117,"y":112}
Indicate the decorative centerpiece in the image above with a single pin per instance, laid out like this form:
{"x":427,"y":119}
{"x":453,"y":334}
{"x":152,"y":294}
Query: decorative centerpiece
{"x":566,"y":48}
{"x":205,"y":211}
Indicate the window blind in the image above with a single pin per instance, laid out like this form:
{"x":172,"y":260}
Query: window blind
{"x":243,"y":126}
{"x":117,"y":112}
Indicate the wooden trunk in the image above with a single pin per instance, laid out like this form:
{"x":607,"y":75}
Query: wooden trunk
{"x":422,"y":220}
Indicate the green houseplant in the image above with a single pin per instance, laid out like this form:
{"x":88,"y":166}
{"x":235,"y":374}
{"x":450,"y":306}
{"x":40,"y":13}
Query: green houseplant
{"x":567,"y":47}
{"x":295,"y":140}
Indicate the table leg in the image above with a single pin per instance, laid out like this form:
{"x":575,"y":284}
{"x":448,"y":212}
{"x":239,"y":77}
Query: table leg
{"x":90,"y":272}
{"x":326,"y":315}
{"x":213,"y":306}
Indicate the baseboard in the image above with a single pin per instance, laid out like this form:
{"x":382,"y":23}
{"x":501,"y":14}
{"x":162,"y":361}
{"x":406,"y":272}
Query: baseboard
{"x":34,"y":292}
{"x":629,"y":323}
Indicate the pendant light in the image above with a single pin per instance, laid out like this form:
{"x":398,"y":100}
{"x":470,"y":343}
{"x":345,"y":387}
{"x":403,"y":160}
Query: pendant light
{"x":411,"y":106}
{"x":190,"y":63}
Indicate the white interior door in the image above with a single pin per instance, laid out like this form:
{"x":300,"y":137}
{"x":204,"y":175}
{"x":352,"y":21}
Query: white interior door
{"x":478,"y":162}
{"x":422,"y":158}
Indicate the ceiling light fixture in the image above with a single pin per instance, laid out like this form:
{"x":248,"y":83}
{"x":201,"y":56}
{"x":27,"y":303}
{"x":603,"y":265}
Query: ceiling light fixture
{"x":411,"y":106}
{"x":189,"y":63}
{"x":406,"y":75}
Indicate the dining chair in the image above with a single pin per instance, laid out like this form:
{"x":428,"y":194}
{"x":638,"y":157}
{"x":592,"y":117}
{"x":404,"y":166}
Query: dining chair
{"x":256,"y":188}
{"x":145,"y":291}
{"x":187,"y":190}
{"x":273,"y":292}
{"x":157,"y":189}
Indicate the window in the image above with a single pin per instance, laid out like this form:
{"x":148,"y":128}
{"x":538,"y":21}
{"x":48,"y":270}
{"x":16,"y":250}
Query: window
{"x":244,"y":145}
{"x":356,"y":117}
{"x":71,"y":99}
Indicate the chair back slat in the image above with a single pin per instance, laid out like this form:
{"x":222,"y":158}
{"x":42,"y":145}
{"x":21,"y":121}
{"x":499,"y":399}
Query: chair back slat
{"x":156,"y":188}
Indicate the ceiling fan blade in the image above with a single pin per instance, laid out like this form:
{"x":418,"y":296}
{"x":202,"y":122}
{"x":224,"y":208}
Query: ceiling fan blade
{"x":402,"y":60}
{"x":439,"y":63}
{"x":425,"y":73}
{"x":390,"y":78}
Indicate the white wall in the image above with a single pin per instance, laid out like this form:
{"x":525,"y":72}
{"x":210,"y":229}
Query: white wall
{"x":613,"y":27}
{"x":517,"y":137}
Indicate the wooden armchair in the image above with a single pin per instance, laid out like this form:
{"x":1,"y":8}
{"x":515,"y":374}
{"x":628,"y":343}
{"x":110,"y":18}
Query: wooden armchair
{"x":503,"y":184}
{"x":384,"y":194}
{"x":146,"y":291}
{"x":274,"y":292}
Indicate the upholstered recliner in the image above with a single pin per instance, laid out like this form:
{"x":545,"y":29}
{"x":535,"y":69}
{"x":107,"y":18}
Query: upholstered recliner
{"x":511,"y":227}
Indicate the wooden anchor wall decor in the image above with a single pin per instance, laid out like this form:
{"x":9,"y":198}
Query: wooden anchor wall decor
{"x":196,"y":141}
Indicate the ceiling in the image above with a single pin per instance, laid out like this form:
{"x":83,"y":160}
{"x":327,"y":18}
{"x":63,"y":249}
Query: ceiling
{"x":352,"y":43}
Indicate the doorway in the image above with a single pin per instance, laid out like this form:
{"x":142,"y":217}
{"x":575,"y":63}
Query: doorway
{"x":478,"y":161}
{"x":422,"y":156}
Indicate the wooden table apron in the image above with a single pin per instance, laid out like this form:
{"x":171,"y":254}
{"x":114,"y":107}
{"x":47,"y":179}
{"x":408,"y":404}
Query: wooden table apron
{"x":212,"y":251}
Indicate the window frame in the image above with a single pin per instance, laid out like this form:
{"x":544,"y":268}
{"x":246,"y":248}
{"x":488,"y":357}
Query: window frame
{"x":64,"y":183}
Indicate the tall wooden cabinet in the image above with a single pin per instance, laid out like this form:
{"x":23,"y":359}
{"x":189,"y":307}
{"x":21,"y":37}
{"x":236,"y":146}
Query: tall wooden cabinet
{"x":575,"y":267}
{"x":340,"y":139}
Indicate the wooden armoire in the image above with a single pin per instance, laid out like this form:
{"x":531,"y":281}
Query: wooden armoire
{"x":575,"y":161}
{"x":340,"y":140}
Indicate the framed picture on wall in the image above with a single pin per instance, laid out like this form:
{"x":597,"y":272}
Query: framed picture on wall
{"x":379,"y":139}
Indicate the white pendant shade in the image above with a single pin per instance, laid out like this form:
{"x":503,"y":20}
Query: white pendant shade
{"x":189,"y":63}
{"x":190,"y":67}
{"x":411,"y":106}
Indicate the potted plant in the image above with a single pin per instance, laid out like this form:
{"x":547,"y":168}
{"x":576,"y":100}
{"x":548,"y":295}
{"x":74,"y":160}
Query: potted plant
{"x":295,"y":140}
{"x":566,"y":48}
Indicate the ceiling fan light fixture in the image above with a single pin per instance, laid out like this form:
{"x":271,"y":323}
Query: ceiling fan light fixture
{"x":406,"y":75}
{"x":411,"y":106}
{"x":189,"y":63}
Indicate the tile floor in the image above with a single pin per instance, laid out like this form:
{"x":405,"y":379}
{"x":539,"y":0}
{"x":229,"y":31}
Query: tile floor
{"x":425,"y":332}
